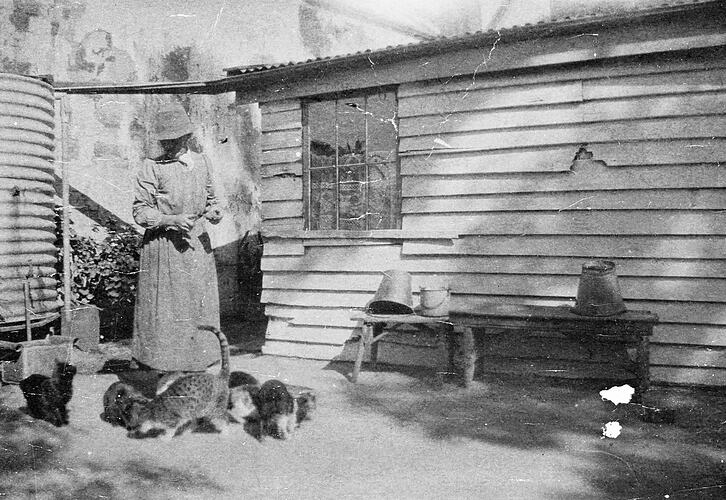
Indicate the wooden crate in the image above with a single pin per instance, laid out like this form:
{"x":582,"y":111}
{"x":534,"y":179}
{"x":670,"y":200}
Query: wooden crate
{"x":84,"y":325}
{"x":37,"y":356}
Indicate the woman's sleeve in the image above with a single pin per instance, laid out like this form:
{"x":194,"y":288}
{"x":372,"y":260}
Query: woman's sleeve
{"x":144,"y":208}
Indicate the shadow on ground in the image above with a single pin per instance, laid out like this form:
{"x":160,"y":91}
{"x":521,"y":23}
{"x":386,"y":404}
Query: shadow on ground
{"x":33,"y":465}
{"x":676,"y":449}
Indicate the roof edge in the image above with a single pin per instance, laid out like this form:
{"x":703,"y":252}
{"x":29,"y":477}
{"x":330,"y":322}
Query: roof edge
{"x":514,"y":33}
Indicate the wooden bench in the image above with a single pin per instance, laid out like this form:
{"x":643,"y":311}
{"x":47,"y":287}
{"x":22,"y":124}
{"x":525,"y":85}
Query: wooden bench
{"x":373,"y":331}
{"x":631,"y":329}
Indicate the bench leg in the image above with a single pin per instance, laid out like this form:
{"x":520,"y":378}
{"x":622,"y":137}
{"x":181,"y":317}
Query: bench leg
{"x":365,"y":339}
{"x":642,"y":360}
{"x":377,"y":329}
{"x":462,"y":353}
{"x":451,"y":346}
{"x":468,"y":356}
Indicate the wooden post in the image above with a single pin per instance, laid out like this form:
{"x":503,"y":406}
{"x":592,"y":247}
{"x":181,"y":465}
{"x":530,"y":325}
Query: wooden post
{"x":65,"y":227}
{"x":26,"y":294}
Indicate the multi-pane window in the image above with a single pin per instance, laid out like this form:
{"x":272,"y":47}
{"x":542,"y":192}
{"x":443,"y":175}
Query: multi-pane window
{"x":351,"y":165}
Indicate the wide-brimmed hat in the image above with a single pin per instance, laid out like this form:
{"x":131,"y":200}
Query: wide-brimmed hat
{"x":171,"y":122}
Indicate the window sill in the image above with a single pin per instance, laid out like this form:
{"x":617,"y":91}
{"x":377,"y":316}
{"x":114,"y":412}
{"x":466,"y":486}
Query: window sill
{"x":380,"y":234}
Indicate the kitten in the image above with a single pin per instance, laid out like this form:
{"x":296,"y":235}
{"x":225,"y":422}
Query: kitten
{"x":241,"y":404}
{"x":276,"y":409}
{"x":188,"y":399}
{"x":122,"y":404}
{"x":243,"y":389}
{"x":47,"y":397}
{"x":237,"y":379}
{"x":306,"y":404}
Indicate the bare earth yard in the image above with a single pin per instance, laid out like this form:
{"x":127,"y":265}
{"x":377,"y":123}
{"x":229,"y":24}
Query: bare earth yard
{"x":397,"y":434}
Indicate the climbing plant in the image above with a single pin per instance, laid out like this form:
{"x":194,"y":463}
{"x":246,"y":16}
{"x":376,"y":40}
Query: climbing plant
{"x":104,"y":273}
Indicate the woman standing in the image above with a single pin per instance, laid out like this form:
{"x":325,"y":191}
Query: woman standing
{"x":177,"y":288}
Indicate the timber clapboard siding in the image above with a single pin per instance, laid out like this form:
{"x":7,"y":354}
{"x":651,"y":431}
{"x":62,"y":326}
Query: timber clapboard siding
{"x":281,"y":165}
{"x":488,"y":162}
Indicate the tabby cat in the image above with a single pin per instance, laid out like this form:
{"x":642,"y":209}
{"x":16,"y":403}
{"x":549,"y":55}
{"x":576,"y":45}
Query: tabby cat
{"x":190,"y":399}
{"x":48,"y":397}
{"x":122,"y":404}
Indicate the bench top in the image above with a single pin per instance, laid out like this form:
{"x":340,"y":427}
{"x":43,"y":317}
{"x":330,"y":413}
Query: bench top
{"x":411,"y":319}
{"x":484,"y":314}
{"x":542,"y":313}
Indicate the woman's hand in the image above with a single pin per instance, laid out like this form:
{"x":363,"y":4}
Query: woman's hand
{"x":181,"y":222}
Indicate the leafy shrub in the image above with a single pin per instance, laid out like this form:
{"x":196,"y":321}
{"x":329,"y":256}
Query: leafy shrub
{"x":104,"y":274}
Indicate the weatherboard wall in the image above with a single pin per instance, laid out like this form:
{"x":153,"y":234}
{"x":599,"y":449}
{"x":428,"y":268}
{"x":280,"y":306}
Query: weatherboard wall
{"x":495,"y":204}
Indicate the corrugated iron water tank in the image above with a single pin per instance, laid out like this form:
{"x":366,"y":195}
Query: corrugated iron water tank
{"x":27,"y":228}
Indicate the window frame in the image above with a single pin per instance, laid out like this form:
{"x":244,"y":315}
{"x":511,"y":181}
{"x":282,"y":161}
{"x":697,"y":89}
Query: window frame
{"x":306,"y":158}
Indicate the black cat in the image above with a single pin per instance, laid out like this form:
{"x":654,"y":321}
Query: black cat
{"x":237,"y":379}
{"x":277,"y":410}
{"x":47,"y":397}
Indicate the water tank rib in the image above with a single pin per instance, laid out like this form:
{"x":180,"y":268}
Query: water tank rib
{"x":27,"y":228}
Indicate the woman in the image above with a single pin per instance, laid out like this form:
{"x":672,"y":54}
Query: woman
{"x":177,"y":288}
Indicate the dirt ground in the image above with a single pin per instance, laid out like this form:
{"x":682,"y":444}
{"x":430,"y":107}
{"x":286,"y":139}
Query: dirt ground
{"x":398,"y":433}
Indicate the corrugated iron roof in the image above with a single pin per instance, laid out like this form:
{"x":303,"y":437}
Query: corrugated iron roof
{"x":440,"y":43}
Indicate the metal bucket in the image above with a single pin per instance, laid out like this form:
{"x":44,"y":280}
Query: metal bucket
{"x":434,"y":301}
{"x":393,"y":295}
{"x":598,"y":293}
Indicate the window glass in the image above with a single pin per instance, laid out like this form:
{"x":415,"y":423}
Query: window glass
{"x":352,"y":166}
{"x":352,"y":181}
{"x":351,"y":131}
{"x":382,"y":189}
{"x":322,"y":133}
{"x":382,"y":134}
{"x":323,"y":202}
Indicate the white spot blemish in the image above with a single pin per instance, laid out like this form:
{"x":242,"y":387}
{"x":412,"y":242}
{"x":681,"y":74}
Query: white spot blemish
{"x":442,"y":142}
{"x":611,"y":430}
{"x":618,"y":394}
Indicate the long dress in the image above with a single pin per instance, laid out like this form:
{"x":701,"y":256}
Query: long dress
{"x":177,"y":287}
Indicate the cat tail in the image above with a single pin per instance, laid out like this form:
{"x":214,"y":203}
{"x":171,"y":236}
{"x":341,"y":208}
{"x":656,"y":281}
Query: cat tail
{"x":223,"y":347}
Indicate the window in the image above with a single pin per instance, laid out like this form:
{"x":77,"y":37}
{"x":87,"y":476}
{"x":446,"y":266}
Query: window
{"x":351,"y":162}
